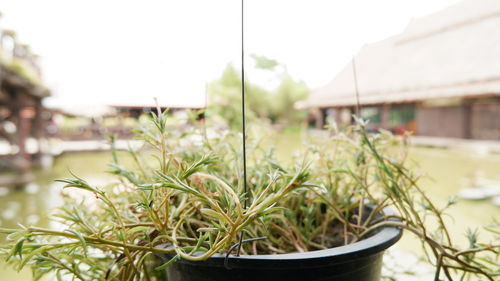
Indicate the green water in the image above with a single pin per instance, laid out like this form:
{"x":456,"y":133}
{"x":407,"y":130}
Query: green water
{"x":444,"y":172}
{"x":447,"y":172}
{"x":31,"y":205}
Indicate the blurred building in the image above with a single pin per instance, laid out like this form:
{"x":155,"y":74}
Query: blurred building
{"x":440,"y":77}
{"x":136,"y":110}
{"x":22,"y":115}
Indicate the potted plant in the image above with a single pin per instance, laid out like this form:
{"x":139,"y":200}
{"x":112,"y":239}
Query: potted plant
{"x":326,"y":216}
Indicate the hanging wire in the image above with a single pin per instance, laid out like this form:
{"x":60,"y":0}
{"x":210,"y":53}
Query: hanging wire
{"x":243,"y":118}
{"x":355,"y":76}
{"x":226,"y":260}
{"x":205,"y":117}
{"x":241,"y":241}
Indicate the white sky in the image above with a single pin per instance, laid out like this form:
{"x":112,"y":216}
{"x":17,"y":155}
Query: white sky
{"x":127,"y":52}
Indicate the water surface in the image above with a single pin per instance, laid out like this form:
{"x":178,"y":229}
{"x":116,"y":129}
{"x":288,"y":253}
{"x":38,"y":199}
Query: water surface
{"x":447,"y":171}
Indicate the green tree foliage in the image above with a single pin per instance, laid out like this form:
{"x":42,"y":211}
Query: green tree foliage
{"x":285,"y":96}
{"x":276,"y":105}
{"x":225,"y":97}
{"x":262,"y":62}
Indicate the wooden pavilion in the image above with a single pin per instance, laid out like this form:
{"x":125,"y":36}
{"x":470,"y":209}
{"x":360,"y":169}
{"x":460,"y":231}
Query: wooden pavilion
{"x":22,"y":115}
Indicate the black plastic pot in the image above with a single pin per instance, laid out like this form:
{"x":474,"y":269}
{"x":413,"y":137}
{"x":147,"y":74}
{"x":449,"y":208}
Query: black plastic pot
{"x":360,"y":261}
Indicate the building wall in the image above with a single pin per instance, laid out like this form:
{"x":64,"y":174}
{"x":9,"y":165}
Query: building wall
{"x":472,"y":118}
{"x":485,"y":120}
{"x":443,"y":121}
{"x":341,"y":115}
{"x":401,"y":118}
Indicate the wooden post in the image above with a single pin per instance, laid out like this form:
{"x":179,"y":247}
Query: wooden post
{"x":385,"y":116}
{"x":38,"y":128}
{"x":467,"y":119}
{"x":23,"y":129}
{"x":321,"y":119}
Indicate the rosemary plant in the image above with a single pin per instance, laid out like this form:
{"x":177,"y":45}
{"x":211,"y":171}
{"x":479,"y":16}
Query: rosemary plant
{"x":184,"y":191}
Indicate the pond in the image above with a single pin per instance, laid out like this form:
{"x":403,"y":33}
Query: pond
{"x":447,"y":172}
{"x":31,"y":205}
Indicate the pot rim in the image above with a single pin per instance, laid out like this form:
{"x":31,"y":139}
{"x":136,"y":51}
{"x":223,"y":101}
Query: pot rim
{"x":375,"y":244}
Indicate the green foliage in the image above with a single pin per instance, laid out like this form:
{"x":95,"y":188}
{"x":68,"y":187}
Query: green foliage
{"x":282,"y":101}
{"x":225,"y":98}
{"x":262,"y":62}
{"x":23,"y":69}
{"x":276,"y":105}
{"x":184,"y":190}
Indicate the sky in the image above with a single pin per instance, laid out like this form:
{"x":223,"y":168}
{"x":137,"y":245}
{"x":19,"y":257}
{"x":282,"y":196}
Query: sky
{"x":120,"y":52}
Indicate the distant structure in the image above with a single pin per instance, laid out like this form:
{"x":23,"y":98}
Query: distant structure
{"x":136,"y":110}
{"x":440,"y":77}
{"x":22,"y":115}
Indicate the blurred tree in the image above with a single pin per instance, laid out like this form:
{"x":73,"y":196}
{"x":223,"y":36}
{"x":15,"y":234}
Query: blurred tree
{"x":284,"y":98}
{"x":262,"y":62}
{"x":225,"y":97}
{"x":277,"y":105}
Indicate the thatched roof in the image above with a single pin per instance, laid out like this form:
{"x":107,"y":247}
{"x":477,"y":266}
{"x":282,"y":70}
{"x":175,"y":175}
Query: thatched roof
{"x":452,"y":53}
